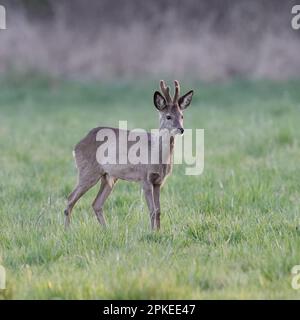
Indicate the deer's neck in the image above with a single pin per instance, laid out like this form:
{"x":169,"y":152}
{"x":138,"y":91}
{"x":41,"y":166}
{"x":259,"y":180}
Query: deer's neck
{"x":172,"y":143}
{"x":167,"y":147}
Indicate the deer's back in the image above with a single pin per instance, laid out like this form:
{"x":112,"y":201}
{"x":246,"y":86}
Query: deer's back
{"x":87,"y":162}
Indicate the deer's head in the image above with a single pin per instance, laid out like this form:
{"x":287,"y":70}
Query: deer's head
{"x":171,"y":110}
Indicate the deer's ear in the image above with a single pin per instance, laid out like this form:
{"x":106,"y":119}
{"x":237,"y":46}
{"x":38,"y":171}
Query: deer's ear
{"x":185,"y":100}
{"x":159,"y":101}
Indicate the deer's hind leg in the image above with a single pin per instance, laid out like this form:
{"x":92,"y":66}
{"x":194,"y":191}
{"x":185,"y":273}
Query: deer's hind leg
{"x":85,"y":182}
{"x":107,"y":184}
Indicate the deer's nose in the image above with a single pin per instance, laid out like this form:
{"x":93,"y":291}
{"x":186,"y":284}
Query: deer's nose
{"x":181,"y":130}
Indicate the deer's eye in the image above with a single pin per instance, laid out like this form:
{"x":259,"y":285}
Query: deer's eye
{"x":181,"y":117}
{"x":169,"y":117}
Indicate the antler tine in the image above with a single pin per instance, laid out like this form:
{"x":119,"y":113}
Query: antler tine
{"x":165,"y":91}
{"x":177,"y":91}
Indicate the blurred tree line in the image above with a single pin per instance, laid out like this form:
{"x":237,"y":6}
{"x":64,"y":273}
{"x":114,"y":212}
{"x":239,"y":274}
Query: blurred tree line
{"x":209,"y":39}
{"x":191,"y":13}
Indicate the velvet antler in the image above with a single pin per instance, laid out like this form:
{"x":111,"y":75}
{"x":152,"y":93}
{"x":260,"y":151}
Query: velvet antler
{"x":165,"y":91}
{"x":177,"y":91}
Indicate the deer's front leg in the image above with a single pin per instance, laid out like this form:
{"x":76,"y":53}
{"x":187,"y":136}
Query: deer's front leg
{"x":148,"y":191}
{"x":156,"y":195}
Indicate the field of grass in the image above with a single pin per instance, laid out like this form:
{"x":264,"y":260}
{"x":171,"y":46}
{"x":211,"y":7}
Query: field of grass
{"x":230,"y":233}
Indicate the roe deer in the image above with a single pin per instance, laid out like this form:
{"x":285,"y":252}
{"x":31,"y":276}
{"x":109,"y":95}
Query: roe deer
{"x":151,"y":176}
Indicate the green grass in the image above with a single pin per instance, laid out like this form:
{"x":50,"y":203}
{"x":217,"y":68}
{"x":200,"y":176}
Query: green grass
{"x":230,"y":233}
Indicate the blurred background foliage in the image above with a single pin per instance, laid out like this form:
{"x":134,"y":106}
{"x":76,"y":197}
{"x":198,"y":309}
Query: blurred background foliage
{"x":100,"y":39}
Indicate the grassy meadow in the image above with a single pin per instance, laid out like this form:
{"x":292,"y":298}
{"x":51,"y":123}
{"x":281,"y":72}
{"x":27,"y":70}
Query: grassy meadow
{"x":232,"y":232}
